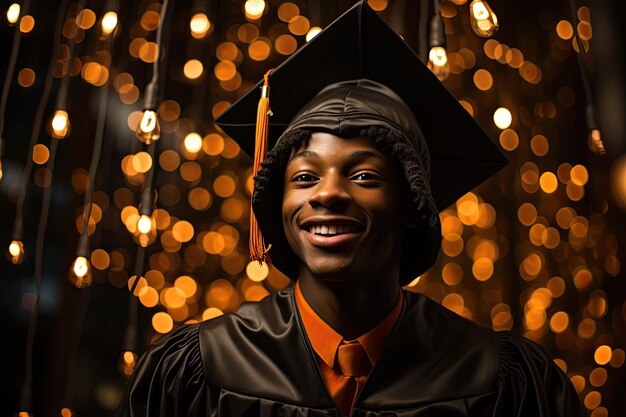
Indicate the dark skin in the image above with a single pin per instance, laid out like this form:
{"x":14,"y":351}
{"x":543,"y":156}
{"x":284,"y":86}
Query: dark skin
{"x":344,"y":217}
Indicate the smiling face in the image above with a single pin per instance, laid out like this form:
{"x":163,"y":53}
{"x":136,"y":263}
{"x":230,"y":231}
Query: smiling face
{"x":341,"y":210}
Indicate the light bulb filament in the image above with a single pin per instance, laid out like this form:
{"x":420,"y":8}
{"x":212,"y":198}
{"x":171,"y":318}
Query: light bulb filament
{"x":480,"y":11}
{"x":80,"y":267}
{"x":148,"y":121}
{"x":148,"y":130}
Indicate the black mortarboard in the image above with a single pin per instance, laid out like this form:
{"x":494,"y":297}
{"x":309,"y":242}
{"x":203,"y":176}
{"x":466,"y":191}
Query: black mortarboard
{"x":359,"y":46}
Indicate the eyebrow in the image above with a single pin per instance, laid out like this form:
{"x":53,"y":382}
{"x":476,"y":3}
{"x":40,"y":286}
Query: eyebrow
{"x":305,"y":154}
{"x":358,"y":155}
{"x":365,"y":155}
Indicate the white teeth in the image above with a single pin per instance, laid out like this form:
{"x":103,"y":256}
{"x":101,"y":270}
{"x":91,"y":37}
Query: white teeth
{"x":332,"y":229}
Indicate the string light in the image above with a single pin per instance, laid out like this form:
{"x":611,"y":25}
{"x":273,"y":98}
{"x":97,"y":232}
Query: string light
{"x":16,"y":251}
{"x":199,"y":25}
{"x":594,"y":137}
{"x":148,"y":130}
{"x":254,"y":9}
{"x":129,"y":360}
{"x":145,"y":223}
{"x":502,"y":118}
{"x":437,"y":56}
{"x":60,"y":124}
{"x":145,"y":228}
{"x":595,"y":142}
{"x":438,"y":62}
{"x":13,"y":13}
{"x":80,"y":272}
{"x":66,"y":412}
{"x":313,"y":32}
{"x":109,"y":22}
{"x":483,"y":20}
{"x":132,"y":355}
{"x":193,"y":142}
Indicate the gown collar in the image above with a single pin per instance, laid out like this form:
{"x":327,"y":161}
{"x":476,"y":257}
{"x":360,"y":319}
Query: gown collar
{"x":325,"y":340}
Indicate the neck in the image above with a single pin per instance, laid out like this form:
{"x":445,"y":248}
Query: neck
{"x":349,"y":308}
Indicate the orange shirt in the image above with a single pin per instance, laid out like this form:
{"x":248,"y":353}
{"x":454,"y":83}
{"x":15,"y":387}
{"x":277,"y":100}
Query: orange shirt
{"x":325,"y":340}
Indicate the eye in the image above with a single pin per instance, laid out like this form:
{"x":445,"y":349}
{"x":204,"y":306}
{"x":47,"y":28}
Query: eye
{"x":366,"y":176}
{"x":304,"y":178}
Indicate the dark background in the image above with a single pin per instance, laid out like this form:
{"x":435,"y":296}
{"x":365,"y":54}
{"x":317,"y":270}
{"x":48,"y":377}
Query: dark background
{"x":83,"y":373}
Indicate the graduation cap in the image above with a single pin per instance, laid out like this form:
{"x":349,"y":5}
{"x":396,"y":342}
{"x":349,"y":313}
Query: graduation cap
{"x":360,"y":47}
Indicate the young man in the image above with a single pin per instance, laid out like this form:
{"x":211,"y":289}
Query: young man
{"x":344,"y":198}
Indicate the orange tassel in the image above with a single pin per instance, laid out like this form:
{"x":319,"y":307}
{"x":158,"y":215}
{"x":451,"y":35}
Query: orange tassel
{"x":258,"y":251}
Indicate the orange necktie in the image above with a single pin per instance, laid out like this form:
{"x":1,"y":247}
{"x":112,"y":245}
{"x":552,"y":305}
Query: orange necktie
{"x":354,"y":366}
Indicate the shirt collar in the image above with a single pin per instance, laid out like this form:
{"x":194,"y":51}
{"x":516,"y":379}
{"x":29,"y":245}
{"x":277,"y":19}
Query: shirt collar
{"x":325,"y":340}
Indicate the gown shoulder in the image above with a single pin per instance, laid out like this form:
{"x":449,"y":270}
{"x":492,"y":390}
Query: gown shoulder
{"x":529,"y":382}
{"x":169,"y":378}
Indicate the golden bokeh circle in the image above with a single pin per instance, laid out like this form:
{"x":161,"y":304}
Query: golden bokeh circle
{"x":602,"y":355}
{"x":162,"y":322}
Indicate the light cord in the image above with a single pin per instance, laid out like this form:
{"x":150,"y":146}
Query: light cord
{"x":15,"y":48}
{"x":18,"y":225}
{"x":130,"y":342}
{"x":584,"y":75}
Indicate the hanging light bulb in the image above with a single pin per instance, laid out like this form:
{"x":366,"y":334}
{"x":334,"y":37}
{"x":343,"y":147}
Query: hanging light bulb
{"x":1,"y":172}
{"x":595,"y":142}
{"x":24,"y":414}
{"x":146,"y":230}
{"x":16,"y":250}
{"x":313,"y":33}
{"x":483,"y":19}
{"x":128,"y":362}
{"x":60,"y":124}
{"x":437,"y":56}
{"x":193,"y":142}
{"x":148,"y":130}
{"x":254,"y":9}
{"x":438,"y":62}
{"x":109,"y":22}
{"x":199,"y":25}
{"x":67,"y":412}
{"x":80,"y":272}
{"x":144,"y":224}
{"x":13,"y":13}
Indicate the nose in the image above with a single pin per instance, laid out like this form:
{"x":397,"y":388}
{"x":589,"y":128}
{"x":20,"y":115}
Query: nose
{"x":331,"y":192}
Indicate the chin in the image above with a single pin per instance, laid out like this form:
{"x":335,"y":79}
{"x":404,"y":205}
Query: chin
{"x":332,"y":270}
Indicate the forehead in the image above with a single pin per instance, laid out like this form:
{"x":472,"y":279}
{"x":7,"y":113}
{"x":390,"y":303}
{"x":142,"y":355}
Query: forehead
{"x":327,"y":145}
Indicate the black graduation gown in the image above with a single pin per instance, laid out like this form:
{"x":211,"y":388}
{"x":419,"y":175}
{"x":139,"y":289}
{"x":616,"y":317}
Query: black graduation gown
{"x":259,"y":362}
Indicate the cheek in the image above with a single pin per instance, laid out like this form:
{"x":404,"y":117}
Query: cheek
{"x":291,"y":206}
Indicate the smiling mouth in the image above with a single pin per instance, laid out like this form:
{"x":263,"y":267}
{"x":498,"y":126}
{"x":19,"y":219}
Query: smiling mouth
{"x":331,"y":229}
